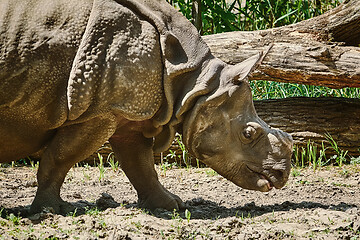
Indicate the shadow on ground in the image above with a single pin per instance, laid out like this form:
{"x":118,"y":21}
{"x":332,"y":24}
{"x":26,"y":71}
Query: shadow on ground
{"x":198,"y":207}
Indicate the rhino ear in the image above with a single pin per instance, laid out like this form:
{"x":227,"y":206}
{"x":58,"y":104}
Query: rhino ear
{"x":240,"y":71}
{"x":173,"y":50}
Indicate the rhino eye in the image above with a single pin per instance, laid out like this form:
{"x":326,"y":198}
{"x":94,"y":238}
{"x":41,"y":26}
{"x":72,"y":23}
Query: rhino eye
{"x":249,"y":132}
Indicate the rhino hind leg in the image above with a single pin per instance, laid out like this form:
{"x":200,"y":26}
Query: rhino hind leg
{"x":70,"y":145}
{"x":135,"y":154}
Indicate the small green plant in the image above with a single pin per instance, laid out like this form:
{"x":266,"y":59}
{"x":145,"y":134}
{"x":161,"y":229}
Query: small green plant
{"x":211,"y":173}
{"x":303,"y":155}
{"x":86,"y":176}
{"x":14,"y":219}
{"x":242,"y":217}
{"x":177,"y":222}
{"x":345,"y":173}
{"x":137,"y":224}
{"x":113,"y":164}
{"x":340,"y":157}
{"x":197,"y":163}
{"x":167,"y":166}
{"x":86,"y":166}
{"x":185,"y":153}
{"x":295,"y":172}
{"x":176,"y":216}
{"x":323,"y":156}
{"x":102,"y":223}
{"x":34,"y":165}
{"x":72,"y":214}
{"x":101,"y":167}
{"x":187,"y":215}
{"x":302,"y":182}
{"x":171,"y":155}
{"x":163,"y":235}
{"x":311,"y":156}
{"x":92,"y":211}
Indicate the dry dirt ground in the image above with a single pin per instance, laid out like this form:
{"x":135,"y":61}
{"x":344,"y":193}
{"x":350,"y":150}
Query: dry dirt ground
{"x":321,"y":204}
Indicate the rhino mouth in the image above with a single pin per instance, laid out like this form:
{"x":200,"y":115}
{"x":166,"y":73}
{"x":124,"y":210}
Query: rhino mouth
{"x":264,"y":181}
{"x":269,"y":183}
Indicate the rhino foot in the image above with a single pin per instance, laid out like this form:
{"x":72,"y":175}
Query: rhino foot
{"x":161,"y":199}
{"x":52,"y":204}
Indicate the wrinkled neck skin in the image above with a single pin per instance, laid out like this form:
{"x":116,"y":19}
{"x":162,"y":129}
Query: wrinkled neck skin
{"x":187,"y":89}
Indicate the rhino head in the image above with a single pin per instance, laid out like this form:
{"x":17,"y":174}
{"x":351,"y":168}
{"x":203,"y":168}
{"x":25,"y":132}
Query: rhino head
{"x":224,"y":131}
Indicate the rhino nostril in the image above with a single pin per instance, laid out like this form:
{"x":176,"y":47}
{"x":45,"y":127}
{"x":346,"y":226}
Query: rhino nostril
{"x":279,"y":174}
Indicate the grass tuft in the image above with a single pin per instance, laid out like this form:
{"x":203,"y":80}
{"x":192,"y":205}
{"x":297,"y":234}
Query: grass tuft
{"x":309,"y":156}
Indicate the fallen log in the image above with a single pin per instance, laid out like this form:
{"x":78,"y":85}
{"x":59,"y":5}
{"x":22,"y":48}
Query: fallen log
{"x":320,"y":51}
{"x":310,"y":119}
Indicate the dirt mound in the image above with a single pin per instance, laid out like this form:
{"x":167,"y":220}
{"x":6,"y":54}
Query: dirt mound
{"x":314,"y":204}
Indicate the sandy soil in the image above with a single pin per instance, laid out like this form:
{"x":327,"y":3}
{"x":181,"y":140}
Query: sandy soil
{"x":321,"y":204}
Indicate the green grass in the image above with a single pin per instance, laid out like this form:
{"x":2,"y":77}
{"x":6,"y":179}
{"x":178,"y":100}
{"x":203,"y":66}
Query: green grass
{"x":240,"y":15}
{"x":319,"y":156}
{"x":275,"y":90}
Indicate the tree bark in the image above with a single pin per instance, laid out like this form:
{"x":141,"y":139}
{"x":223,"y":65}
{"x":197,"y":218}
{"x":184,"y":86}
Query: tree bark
{"x":320,"y":51}
{"x":311,"y":118}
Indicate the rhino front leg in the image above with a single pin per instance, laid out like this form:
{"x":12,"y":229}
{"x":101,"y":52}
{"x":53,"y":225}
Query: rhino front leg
{"x":70,"y":145}
{"x":135,"y":154}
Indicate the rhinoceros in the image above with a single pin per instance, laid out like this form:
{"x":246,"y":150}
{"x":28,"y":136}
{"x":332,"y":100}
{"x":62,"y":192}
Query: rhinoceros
{"x":75,"y":74}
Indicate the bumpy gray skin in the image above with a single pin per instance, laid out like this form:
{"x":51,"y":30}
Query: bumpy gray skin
{"x":74,"y":74}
